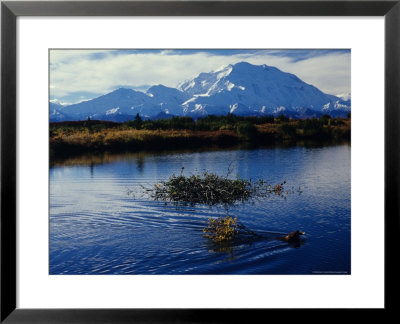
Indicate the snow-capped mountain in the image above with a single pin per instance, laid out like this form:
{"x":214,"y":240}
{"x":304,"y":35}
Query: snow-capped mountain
{"x":168,"y":100}
{"x":117,"y":105}
{"x":242,"y":89}
{"x":246,"y":89}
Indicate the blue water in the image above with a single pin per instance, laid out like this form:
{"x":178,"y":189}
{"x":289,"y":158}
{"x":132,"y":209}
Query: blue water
{"x":102,"y":221}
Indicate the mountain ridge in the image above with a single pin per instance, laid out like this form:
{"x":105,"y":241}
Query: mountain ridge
{"x":242,"y":88}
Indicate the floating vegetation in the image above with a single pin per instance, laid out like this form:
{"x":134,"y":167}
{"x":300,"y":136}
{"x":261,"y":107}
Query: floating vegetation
{"x":226,"y":232}
{"x":211,"y":189}
{"x":221,"y":229}
{"x":227,"y":229}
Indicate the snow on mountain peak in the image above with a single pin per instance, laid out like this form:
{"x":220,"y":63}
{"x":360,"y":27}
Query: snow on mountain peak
{"x":241,"y":88}
{"x":223,"y":67}
{"x":345,"y":96}
{"x":205,"y":83}
{"x":255,"y":89}
{"x":224,"y":72}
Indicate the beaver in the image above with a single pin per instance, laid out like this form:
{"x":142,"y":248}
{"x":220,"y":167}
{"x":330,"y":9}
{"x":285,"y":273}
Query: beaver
{"x":292,"y":237}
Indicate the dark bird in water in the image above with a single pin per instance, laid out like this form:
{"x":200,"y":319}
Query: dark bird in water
{"x":292,"y":237}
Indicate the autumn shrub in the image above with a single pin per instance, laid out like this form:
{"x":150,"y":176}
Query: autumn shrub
{"x":246,"y":130}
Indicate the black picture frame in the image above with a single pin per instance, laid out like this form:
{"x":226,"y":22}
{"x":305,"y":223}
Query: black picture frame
{"x":10,"y":10}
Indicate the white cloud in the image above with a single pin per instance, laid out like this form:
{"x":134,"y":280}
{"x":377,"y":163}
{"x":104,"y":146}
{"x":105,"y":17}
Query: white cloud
{"x":101,"y":71}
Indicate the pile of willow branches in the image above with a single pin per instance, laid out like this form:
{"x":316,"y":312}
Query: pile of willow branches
{"x":211,"y":189}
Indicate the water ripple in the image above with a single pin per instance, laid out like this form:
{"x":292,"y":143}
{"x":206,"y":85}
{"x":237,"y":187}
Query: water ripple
{"x":96,"y":227}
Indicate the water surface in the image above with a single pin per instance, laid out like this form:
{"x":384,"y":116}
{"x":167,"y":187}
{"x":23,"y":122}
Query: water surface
{"x":96,"y":227}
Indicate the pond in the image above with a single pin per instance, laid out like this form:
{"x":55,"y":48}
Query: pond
{"x":103,"y":221}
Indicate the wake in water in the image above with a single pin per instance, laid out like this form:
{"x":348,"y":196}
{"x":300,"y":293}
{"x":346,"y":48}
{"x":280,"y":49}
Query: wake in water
{"x":227,"y":230}
{"x":210,"y":189}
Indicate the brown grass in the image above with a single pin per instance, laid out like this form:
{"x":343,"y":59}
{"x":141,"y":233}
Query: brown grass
{"x":68,"y":139}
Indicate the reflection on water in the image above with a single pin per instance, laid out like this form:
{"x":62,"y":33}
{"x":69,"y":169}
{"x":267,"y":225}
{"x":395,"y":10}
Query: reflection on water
{"x":96,"y":227}
{"x":139,"y":157}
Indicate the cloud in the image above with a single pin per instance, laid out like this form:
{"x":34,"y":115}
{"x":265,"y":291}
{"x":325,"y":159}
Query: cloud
{"x":97,"y":72}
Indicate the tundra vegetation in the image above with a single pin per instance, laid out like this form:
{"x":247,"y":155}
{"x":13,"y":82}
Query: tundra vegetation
{"x":67,"y":138}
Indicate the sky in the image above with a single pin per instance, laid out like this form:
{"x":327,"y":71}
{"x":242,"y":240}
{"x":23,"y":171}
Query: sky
{"x":79,"y":75}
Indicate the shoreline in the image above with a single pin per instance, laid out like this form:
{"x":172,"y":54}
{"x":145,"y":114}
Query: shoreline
{"x":100,"y":157}
{"x":94,"y":137}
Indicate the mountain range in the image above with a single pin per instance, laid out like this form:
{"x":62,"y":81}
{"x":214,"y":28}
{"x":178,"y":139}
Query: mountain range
{"x":241,"y":89}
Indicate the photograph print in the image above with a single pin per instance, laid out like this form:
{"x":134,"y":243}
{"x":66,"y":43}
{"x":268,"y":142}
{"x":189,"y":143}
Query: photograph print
{"x":199,"y":161}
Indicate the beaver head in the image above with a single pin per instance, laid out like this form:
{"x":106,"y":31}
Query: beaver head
{"x":294,"y":236}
